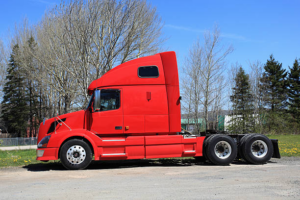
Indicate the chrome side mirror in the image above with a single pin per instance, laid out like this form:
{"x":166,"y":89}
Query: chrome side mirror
{"x":97,"y":104}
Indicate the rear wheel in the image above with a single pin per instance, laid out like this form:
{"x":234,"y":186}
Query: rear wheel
{"x":206,"y":142}
{"x":257,"y":149}
{"x":75,"y":154}
{"x":220,"y":149}
{"x":242,"y":143}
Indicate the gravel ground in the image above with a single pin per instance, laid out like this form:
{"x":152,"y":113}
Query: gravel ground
{"x":154,"y":179}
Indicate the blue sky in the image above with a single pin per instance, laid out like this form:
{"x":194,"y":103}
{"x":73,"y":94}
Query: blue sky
{"x":256,"y":29}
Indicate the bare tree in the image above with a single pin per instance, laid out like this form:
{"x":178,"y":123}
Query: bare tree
{"x":231,"y":76}
{"x":218,"y":102}
{"x":206,"y":65}
{"x":188,"y":100}
{"x":214,"y":67}
{"x":101,"y":34}
{"x":78,"y":41}
{"x":255,"y":78}
{"x":191,"y":83}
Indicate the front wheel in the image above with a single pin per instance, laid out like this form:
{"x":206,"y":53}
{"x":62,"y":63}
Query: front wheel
{"x":75,"y":154}
{"x":220,"y":149}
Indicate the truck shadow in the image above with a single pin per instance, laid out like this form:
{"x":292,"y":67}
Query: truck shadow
{"x":117,"y":164}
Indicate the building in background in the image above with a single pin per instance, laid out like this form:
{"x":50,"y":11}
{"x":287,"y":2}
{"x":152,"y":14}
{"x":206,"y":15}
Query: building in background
{"x":216,"y":122}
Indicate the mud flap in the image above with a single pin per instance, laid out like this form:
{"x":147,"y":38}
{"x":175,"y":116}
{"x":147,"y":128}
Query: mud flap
{"x":276,"y":153}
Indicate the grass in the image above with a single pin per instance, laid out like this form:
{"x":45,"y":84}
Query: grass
{"x":289,"y":145}
{"x":18,"y":158}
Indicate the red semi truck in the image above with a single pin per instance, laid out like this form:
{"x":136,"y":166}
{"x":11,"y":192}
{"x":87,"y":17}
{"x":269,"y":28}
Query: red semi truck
{"x":134,"y":113}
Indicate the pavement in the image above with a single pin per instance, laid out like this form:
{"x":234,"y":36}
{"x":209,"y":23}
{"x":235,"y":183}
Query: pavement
{"x":154,"y":179}
{"x":18,"y":147}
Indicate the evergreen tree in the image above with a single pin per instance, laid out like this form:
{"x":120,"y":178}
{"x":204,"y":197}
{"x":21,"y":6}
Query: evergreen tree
{"x":32,"y":93}
{"x":242,"y":100}
{"x":14,"y":105}
{"x":294,"y":92}
{"x":274,"y":87}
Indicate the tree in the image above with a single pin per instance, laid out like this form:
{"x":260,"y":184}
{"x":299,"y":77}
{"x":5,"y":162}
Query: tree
{"x":258,"y":96}
{"x":274,"y":87}
{"x":2,"y":65}
{"x":294,"y":92}
{"x":3,"y":58}
{"x":216,"y":107}
{"x":205,"y":68}
{"x":242,"y":101}
{"x":191,"y":85}
{"x":14,"y":105}
{"x":78,"y":41}
{"x":32,"y":86}
{"x":212,"y":68}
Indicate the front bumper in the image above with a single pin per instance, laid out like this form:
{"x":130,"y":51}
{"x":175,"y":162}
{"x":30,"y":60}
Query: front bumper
{"x":45,"y":154}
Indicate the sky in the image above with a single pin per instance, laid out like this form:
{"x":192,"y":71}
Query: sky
{"x":255,"y":29}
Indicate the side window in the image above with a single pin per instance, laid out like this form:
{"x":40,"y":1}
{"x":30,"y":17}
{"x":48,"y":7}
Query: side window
{"x":110,"y":100}
{"x":148,"y":72}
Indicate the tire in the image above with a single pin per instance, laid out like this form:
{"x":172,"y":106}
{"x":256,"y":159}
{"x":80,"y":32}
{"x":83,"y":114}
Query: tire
{"x":75,"y":154}
{"x":242,"y":143}
{"x":257,"y":149}
{"x":205,"y":144}
{"x":221,"y":149}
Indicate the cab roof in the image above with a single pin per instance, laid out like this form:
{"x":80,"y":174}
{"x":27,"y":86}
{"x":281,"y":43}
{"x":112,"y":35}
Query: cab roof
{"x":127,"y":73}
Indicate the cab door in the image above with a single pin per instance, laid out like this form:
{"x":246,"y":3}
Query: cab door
{"x":109,"y":119}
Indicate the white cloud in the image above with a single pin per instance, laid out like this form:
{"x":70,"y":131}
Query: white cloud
{"x":185,"y":28}
{"x":224,"y":35}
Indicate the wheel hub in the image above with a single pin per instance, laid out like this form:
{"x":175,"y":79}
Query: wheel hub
{"x":259,"y":148}
{"x":220,"y":149}
{"x":255,"y":148}
{"x":223,"y":149}
{"x":76,"y":154}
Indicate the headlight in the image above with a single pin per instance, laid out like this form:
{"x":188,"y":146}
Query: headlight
{"x":44,"y":142}
{"x":39,"y":153}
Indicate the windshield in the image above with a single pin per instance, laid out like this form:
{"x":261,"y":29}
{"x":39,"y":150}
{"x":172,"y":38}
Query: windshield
{"x":90,"y":102}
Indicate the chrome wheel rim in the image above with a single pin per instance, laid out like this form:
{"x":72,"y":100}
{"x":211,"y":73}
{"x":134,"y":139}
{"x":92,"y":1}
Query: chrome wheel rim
{"x":76,"y":154}
{"x":223,"y":149}
{"x":259,"y":148}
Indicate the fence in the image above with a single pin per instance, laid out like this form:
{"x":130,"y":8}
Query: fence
{"x":18,"y":141}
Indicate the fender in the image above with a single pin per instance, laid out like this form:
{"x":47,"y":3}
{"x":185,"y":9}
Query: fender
{"x":57,"y":139}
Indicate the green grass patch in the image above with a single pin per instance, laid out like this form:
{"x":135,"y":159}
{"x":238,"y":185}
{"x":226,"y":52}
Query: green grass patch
{"x":289,"y":145}
{"x":18,"y":158}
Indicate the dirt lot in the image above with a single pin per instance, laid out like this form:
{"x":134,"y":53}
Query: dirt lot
{"x":144,"y":179}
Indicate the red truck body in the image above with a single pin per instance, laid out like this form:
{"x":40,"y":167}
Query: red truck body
{"x":145,"y":125}
{"x":134,"y":113}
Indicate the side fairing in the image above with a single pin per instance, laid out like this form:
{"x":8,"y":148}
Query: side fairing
{"x":172,"y":85}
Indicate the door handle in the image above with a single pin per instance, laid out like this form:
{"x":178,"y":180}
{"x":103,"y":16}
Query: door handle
{"x":148,"y":96}
{"x":118,"y":127}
